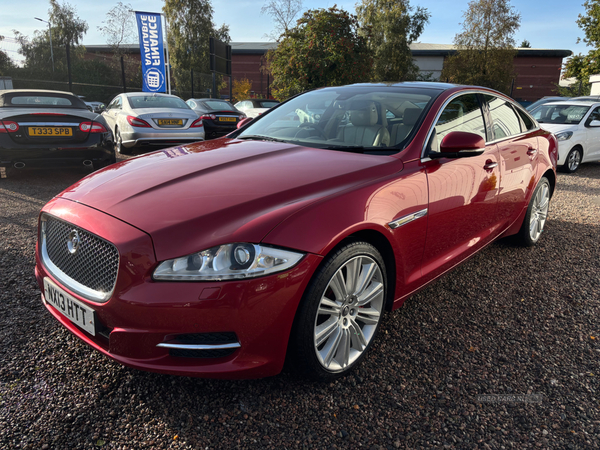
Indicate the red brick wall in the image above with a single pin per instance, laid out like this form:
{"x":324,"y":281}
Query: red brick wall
{"x":249,"y":66}
{"x":536,"y":77}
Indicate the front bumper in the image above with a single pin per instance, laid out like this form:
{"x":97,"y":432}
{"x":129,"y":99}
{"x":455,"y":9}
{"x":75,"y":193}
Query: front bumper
{"x":143,"y":315}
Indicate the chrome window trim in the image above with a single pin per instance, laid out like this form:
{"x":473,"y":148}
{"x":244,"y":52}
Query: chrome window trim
{"x":425,"y":158}
{"x":407,"y":219}
{"x":199,"y":346}
{"x":63,"y":278}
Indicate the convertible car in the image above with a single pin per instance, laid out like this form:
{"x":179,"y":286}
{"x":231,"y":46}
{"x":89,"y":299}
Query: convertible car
{"x":289,"y":239}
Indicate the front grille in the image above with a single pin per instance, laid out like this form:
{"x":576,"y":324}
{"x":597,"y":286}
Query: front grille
{"x":93,"y":265}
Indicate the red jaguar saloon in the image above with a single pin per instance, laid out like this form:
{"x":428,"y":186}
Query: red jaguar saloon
{"x":292,"y":236}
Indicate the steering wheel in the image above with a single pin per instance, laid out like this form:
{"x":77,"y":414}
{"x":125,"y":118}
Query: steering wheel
{"x":309,"y":125}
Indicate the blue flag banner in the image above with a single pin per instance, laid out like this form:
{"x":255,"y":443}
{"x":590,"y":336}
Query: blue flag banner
{"x":151,"y":51}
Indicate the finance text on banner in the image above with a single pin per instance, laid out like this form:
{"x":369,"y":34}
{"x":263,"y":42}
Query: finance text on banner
{"x":151,"y":51}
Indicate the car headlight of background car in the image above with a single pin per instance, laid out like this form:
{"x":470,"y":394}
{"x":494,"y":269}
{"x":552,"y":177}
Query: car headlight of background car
{"x":564,"y":136}
{"x":227,"y":262}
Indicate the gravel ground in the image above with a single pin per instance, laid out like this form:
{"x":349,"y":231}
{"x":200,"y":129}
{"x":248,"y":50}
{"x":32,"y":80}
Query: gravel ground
{"x":518,"y":324}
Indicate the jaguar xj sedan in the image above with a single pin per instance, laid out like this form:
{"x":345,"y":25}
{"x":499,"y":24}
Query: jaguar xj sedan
{"x":287,"y":240}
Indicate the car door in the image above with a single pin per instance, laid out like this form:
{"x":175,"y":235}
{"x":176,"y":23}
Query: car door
{"x":463,"y":192}
{"x":591,"y":152}
{"x":515,"y":135}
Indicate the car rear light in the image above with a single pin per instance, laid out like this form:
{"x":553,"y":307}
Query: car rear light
{"x":208,"y":117}
{"x":197,"y":123}
{"x":135,"y":122}
{"x":92,"y":127}
{"x":8,"y":126}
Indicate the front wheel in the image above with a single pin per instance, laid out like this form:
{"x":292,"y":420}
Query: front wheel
{"x":537,"y":213}
{"x":340,"y":312}
{"x":573,"y":160}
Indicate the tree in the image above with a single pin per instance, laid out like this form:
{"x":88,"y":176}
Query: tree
{"x":119,"y":27}
{"x":485,"y":48}
{"x":6,"y":63}
{"x":582,"y":66}
{"x":324,"y":49}
{"x":190,"y":27}
{"x":392,"y":26}
{"x":241,"y":89}
{"x":283,"y":13}
{"x":525,"y":44}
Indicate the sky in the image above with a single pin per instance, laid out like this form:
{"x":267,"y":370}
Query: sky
{"x":546,"y":24}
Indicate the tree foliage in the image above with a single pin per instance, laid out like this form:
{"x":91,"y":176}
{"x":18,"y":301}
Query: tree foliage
{"x":283,"y":13}
{"x":392,"y":26}
{"x":119,"y":27}
{"x":240,"y":89}
{"x":190,"y":27}
{"x":67,"y":28}
{"x":325,"y":48}
{"x":525,"y":44}
{"x":485,"y":47}
{"x":6,"y":64}
{"x":582,"y":66}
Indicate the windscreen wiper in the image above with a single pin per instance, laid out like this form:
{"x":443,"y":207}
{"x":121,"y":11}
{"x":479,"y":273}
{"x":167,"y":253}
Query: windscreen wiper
{"x":258,"y":137}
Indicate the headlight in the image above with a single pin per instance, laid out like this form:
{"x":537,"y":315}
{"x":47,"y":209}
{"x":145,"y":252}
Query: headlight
{"x":227,"y":262}
{"x":565,"y":135}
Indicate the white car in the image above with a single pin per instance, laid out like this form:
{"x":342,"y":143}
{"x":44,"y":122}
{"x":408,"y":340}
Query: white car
{"x":576,"y":125}
{"x":254,"y":107}
{"x":144,"y":119}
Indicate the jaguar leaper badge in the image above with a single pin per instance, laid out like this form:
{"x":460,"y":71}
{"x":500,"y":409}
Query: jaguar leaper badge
{"x":73,"y":242}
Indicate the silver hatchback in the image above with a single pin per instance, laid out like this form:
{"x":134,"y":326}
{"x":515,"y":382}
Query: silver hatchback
{"x":143,"y":120}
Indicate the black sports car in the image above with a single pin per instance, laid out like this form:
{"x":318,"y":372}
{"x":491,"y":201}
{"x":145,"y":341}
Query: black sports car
{"x":41,"y":128}
{"x":218,"y":116}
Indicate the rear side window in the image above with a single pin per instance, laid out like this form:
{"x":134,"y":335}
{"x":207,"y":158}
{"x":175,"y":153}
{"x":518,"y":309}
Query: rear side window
{"x":529,"y":124}
{"x":505,"y":121}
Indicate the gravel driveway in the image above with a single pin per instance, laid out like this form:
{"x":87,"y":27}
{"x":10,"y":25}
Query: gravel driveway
{"x":502,"y":353}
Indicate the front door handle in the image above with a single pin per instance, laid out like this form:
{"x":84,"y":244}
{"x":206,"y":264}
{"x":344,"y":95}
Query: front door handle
{"x":489,"y":165}
{"x":531,"y":151}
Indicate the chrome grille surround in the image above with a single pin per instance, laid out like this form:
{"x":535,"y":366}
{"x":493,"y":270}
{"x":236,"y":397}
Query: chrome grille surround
{"x":90,"y":270}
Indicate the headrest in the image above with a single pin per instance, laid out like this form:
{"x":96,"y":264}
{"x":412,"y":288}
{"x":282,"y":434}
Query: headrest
{"x":363,"y":113}
{"x":410,"y":116}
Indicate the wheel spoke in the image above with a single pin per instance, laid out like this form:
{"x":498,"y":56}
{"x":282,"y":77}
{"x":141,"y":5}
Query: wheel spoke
{"x":344,"y":349}
{"x":331,"y":348}
{"x":358,"y":337}
{"x":338,"y":286}
{"x":372,"y":293}
{"x":368,"y":316}
{"x":367,"y":274}
{"x":325,"y":330}
{"x":353,"y":275}
{"x":328,"y":307}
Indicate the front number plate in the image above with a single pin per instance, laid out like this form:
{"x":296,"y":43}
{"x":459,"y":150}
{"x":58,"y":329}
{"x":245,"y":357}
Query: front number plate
{"x":78,"y":313}
{"x":50,"y":131}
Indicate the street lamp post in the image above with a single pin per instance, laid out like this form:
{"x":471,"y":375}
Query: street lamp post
{"x":50,"y":30}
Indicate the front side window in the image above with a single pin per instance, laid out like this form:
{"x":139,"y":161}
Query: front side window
{"x":462,"y":114}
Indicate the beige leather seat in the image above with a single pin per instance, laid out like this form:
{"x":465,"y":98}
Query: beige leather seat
{"x":369,"y":127}
{"x":399,"y":131}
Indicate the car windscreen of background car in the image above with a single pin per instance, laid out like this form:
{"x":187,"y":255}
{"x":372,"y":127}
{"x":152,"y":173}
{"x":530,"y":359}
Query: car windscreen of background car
{"x":560,"y":114}
{"x":149,"y":101}
{"x":43,"y":101}
{"x":222,"y":106}
{"x":268,"y":104}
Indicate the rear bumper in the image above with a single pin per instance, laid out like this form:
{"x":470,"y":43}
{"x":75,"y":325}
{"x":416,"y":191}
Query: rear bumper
{"x":154,"y":137}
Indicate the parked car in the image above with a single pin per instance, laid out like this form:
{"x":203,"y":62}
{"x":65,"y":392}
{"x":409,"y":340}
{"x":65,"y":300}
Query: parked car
{"x":218,"y":116}
{"x":41,"y":128}
{"x":143,"y":120}
{"x":544,"y":100}
{"x":288,"y":238}
{"x":576,"y":125}
{"x":253,"y":107}
{"x":97,"y":107}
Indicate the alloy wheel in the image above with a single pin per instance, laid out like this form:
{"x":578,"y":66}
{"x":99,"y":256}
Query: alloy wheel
{"x":539,"y":211}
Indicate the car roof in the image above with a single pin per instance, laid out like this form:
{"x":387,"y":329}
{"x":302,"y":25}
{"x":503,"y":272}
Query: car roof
{"x":145,"y":94}
{"x":34,"y":91}
{"x":573,"y":103}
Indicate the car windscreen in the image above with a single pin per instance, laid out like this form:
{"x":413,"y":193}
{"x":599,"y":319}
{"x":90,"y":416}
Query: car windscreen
{"x":150,"y":101}
{"x":560,"y":114}
{"x":37,"y":100}
{"x":349,"y":118}
{"x":218,"y":105}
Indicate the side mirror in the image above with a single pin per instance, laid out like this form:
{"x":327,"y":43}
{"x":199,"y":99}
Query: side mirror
{"x":595,"y":123}
{"x":459,"y":144}
{"x":243,"y":122}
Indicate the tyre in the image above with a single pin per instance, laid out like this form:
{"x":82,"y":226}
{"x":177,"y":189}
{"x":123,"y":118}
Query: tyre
{"x":340,"y":313}
{"x":573,"y":160}
{"x":537,"y":213}
{"x":119,"y":147}
{"x":107,"y":162}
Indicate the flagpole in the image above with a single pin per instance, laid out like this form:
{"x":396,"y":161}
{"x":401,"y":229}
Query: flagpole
{"x":168,"y":64}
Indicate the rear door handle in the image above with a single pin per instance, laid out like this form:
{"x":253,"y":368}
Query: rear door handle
{"x":489,"y":165}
